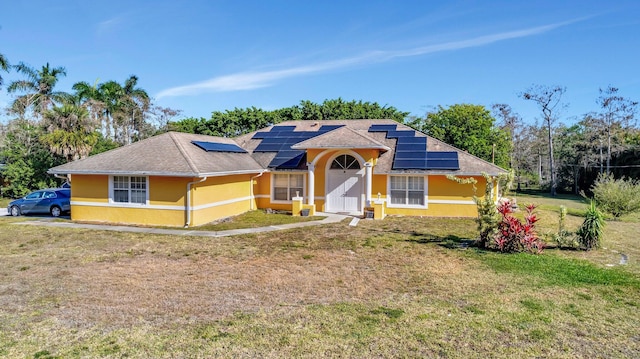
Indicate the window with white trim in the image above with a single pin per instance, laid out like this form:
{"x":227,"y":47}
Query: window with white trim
{"x":129,"y":189}
{"x":287,"y":185}
{"x":407,"y":190}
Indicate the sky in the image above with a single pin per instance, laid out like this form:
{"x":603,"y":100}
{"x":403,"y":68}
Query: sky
{"x":201,"y":56}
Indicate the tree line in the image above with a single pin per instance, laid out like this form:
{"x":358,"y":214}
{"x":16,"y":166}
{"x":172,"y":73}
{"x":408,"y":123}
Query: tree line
{"x":50,"y":127}
{"x":47,"y":127}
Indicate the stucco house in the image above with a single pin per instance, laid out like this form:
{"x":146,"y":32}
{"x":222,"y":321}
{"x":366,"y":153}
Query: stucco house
{"x":358,"y":167}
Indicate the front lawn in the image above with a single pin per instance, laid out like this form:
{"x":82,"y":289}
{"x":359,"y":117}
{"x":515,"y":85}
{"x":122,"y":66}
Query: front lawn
{"x":402,"y":287}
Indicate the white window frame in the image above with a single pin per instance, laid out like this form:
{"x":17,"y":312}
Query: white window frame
{"x":129,"y":203}
{"x":288,"y":174}
{"x":406,"y":198}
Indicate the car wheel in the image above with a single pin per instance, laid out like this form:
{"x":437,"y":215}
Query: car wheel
{"x":15,"y":211}
{"x":56,"y":211}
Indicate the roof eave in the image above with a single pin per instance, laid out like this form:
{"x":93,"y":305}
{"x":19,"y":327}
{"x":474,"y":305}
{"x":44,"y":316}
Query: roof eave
{"x":158,"y":173}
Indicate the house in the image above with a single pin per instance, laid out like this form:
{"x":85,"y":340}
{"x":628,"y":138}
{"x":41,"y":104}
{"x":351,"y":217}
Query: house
{"x":354,"y":166}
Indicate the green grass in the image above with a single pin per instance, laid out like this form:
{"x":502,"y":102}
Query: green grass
{"x":4,"y":202}
{"x":551,"y":270}
{"x":254,"y":219}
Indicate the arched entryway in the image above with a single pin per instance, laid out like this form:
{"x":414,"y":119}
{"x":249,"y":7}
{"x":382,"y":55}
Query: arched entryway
{"x":344,"y":184}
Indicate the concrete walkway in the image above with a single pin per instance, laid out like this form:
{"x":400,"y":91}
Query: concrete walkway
{"x":330,"y":218}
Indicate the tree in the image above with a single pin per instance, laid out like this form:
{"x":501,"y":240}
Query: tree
{"x":135,"y":103}
{"x":38,"y":94}
{"x":238,"y":121}
{"x":470,"y":128}
{"x":70,"y":132}
{"x":4,"y":65}
{"x":616,"y":116}
{"x":27,"y":159}
{"x":548,"y":100}
{"x":511,"y":123}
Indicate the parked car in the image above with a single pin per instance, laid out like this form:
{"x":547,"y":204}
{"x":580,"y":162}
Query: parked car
{"x":54,"y":200}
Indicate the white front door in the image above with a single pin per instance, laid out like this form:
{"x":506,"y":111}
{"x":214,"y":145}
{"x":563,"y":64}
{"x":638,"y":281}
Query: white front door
{"x":344,"y":185}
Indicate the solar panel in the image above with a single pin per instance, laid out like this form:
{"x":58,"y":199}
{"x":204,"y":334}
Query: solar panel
{"x":411,"y":147}
{"x":397,"y":134}
{"x":260,"y":135}
{"x":411,"y":154}
{"x":289,"y":161}
{"x":327,"y":128}
{"x":413,"y":140}
{"x":283,"y":128}
{"x":382,"y":128}
{"x":219,"y":147}
{"x":443,"y":164}
{"x":409,"y":164}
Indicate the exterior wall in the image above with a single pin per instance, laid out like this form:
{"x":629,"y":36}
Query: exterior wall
{"x":213,"y":199}
{"x":445,"y":198}
{"x":220,"y":197}
{"x":90,"y":202}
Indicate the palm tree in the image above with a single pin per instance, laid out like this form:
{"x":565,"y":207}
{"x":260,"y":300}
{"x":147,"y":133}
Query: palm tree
{"x":91,"y":98}
{"x":70,"y":131}
{"x":136,"y":103}
{"x":111,"y":94}
{"x":37,"y":88}
{"x":4,"y":65}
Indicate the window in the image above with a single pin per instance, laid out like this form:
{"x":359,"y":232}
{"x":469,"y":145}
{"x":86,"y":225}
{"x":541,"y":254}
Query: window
{"x":407,"y":190}
{"x":287,"y":186}
{"x":345,"y":162}
{"x":129,"y":189}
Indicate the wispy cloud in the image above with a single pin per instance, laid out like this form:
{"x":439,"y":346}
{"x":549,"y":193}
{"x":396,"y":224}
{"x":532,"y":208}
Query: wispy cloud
{"x":109,"y":25}
{"x":258,"y":79}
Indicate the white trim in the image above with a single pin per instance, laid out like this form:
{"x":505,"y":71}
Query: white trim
{"x":288,"y":173}
{"x":158,"y":174}
{"x":425,"y":192}
{"x":361,"y":172}
{"x":158,"y":206}
{"x":146,"y":190}
{"x":450,"y":201}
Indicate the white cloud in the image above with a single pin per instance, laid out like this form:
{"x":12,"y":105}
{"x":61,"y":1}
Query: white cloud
{"x":109,"y":25}
{"x":257,"y":79}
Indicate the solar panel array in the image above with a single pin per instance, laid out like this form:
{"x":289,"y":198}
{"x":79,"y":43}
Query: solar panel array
{"x":280,"y":139}
{"x":219,"y":147}
{"x":411,"y":151}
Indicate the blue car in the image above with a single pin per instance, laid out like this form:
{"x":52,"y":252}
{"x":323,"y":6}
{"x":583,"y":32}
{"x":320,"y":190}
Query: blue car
{"x":55,"y":201}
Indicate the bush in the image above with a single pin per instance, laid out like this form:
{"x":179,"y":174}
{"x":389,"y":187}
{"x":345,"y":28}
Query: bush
{"x":616,"y":196}
{"x":590,"y":232}
{"x":515,"y":236}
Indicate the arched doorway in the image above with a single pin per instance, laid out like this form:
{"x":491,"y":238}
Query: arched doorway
{"x":344,"y":185}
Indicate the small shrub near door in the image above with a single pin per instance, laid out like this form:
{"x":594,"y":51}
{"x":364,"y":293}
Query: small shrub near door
{"x":515,"y":235}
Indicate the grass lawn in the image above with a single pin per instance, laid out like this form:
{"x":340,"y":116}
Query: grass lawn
{"x":402,"y":287}
{"x":254,"y":219}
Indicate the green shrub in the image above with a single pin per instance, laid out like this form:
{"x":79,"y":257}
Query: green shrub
{"x":616,"y":196}
{"x":590,"y":233}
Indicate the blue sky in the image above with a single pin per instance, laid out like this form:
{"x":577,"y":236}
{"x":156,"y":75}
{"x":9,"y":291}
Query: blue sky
{"x":203,"y":56}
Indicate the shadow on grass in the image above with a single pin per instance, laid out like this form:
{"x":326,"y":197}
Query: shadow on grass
{"x":449,"y":241}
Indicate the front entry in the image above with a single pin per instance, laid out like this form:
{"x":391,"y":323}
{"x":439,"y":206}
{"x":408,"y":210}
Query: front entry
{"x":344,"y":185}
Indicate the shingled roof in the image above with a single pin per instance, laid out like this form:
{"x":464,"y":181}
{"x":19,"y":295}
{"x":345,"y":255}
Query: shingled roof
{"x":169,"y":154}
{"x":355,"y":134}
{"x":175,"y":154}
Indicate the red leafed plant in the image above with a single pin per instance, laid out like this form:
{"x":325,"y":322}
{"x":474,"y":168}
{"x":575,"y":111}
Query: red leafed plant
{"x":514,"y":235}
